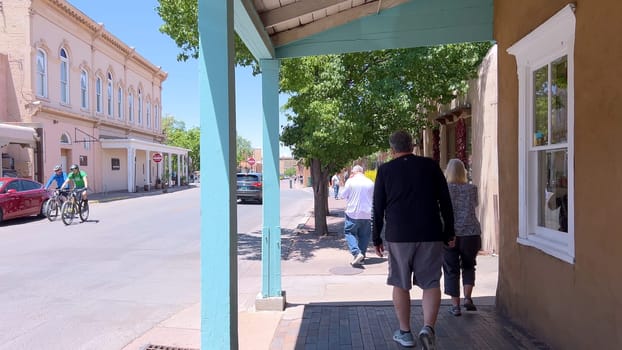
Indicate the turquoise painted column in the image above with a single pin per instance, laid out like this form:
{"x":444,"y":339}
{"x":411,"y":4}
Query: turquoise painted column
{"x":219,"y":302}
{"x":271,"y":233}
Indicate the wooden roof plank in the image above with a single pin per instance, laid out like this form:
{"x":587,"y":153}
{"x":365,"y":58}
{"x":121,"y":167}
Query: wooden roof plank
{"x":296,"y":9}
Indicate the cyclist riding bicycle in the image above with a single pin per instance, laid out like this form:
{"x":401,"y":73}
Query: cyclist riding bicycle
{"x":59,"y":176}
{"x":79,"y":180}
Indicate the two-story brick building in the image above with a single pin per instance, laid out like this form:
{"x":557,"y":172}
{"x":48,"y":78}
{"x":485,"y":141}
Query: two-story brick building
{"x":88,"y":98}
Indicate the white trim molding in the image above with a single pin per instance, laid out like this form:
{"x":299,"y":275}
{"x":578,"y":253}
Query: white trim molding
{"x":552,"y":40}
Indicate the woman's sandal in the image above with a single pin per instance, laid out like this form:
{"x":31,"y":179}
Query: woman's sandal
{"x":468,"y":304}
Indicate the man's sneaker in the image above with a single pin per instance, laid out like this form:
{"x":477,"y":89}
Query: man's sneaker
{"x":468,"y":304}
{"x":455,"y":310}
{"x":404,"y":339}
{"x":357,"y":260}
{"x":427,"y":338}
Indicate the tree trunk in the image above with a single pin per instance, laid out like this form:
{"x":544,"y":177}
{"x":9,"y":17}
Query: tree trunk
{"x":319,"y":178}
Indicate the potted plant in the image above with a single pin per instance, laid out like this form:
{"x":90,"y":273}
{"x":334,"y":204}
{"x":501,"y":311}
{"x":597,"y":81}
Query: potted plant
{"x":165,"y":179}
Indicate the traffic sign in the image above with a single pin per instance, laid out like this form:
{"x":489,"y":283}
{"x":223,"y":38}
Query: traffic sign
{"x":157,"y":157}
{"x":251,"y":161}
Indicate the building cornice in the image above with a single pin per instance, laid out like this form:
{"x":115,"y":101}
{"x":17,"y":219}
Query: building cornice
{"x":98,"y":30}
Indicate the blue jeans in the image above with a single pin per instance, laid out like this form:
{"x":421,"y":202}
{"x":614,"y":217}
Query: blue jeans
{"x":336,"y":190}
{"x":358,"y":234}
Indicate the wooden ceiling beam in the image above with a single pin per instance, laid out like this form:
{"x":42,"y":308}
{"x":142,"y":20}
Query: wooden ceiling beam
{"x":286,"y":37}
{"x":295,"y":10}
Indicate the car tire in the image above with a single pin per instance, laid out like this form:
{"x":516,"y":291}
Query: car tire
{"x":0,"y":216}
{"x":44,"y":209}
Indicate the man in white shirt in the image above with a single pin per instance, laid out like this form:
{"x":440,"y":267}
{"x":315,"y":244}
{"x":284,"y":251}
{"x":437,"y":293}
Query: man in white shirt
{"x":359,"y":193}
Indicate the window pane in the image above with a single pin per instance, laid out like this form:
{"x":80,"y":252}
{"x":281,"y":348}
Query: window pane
{"x":540,"y":106}
{"x":553,"y":189}
{"x":559,"y":100}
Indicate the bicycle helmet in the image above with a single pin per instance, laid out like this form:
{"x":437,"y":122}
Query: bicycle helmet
{"x":74,"y":167}
{"x":58,"y":167}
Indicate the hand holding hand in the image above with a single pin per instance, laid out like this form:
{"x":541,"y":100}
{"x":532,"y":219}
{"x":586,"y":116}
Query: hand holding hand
{"x":379,"y":250}
{"x":452,"y":243}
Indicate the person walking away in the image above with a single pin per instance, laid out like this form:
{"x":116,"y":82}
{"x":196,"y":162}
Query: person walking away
{"x":79,"y":180}
{"x":462,"y":257}
{"x":358,"y":193}
{"x":335,"y":182}
{"x":412,"y":203}
{"x":59,"y":176}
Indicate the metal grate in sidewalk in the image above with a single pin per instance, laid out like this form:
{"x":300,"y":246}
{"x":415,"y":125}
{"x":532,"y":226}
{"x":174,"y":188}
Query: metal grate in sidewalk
{"x":165,"y":347}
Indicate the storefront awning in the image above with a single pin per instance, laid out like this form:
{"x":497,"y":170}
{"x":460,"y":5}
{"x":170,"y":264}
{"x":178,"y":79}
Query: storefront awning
{"x":17,"y":134}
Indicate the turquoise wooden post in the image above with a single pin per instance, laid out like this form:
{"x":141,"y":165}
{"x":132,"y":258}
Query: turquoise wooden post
{"x":271,"y":234}
{"x":219,"y":302}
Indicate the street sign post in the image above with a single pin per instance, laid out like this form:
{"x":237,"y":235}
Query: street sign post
{"x":157,"y":157}
{"x":251,"y":161}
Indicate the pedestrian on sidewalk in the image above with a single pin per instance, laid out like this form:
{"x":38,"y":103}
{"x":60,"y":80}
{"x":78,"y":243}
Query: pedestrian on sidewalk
{"x":335,"y":182}
{"x":358,"y":193}
{"x":462,"y":256}
{"x":412,"y":203}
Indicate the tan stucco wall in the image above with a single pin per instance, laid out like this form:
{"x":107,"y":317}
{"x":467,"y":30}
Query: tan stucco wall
{"x":482,"y":95}
{"x":116,"y":180}
{"x":569,"y":306}
{"x":4,"y":72}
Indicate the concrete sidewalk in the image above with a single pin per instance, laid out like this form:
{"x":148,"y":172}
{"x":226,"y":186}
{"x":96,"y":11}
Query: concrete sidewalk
{"x":331,"y":305}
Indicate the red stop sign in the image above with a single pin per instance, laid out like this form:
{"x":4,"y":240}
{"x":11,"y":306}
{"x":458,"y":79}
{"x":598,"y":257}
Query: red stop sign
{"x":157,"y":157}
{"x":251,"y":161}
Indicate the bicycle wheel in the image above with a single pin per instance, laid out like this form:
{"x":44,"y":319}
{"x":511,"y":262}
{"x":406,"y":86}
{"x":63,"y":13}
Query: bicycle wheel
{"x":68,"y":211}
{"x":84,"y":210}
{"x":52,"y":209}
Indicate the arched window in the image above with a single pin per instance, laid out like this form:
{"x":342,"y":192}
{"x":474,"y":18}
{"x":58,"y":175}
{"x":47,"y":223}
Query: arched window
{"x":148,"y":116}
{"x":84,"y":89}
{"x":42,"y":73}
{"x":98,"y":94}
{"x":156,"y":117}
{"x":120,"y":103}
{"x":109,"y":95}
{"x":140,"y":107}
{"x":130,"y":103}
{"x":64,"y":76}
{"x":64,"y":139}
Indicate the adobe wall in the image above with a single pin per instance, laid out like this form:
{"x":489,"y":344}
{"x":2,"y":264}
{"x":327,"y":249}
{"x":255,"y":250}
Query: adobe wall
{"x":569,"y":306}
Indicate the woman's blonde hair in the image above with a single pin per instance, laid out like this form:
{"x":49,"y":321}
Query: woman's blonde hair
{"x":456,"y":172}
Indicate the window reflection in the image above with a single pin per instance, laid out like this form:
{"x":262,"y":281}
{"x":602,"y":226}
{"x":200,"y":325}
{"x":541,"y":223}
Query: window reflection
{"x":553,"y":190}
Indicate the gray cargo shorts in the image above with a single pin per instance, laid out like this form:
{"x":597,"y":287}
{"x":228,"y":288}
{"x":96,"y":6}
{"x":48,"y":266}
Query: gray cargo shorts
{"x":417,"y":263}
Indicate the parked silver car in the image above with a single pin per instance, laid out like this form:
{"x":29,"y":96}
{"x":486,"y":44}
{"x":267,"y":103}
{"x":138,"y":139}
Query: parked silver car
{"x":249,"y":187}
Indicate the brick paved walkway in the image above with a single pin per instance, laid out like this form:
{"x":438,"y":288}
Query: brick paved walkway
{"x":342,"y":326}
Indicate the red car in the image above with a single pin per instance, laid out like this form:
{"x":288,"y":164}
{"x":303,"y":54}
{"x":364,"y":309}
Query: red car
{"x":21,"y":197}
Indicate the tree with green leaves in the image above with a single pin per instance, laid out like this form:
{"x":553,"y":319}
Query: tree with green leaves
{"x":177,"y":135}
{"x":344,"y":107}
{"x":244,"y":149}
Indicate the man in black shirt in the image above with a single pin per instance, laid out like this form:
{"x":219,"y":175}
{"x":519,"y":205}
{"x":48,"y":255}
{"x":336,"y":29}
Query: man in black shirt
{"x":412,"y":203}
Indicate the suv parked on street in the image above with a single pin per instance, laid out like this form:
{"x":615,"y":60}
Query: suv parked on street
{"x":249,"y":187}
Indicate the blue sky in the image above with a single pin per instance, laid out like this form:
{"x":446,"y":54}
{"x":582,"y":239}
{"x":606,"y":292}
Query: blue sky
{"x":136,"y":23}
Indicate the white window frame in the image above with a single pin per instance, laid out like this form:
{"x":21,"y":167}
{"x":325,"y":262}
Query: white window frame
{"x":156,"y":120}
{"x":64,"y":75}
{"x":120,"y":102}
{"x":139,"y":121}
{"x":98,"y":95}
{"x":42,"y":73}
{"x":148,"y":115}
{"x":84,"y":89}
{"x":130,"y":106}
{"x":109,"y":95}
{"x":550,"y":41}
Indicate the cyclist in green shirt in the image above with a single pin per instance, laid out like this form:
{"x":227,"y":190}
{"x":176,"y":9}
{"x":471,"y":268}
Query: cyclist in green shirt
{"x":79,"y":179}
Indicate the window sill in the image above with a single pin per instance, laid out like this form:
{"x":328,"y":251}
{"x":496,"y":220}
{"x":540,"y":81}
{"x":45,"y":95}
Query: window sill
{"x":555,"y":249}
